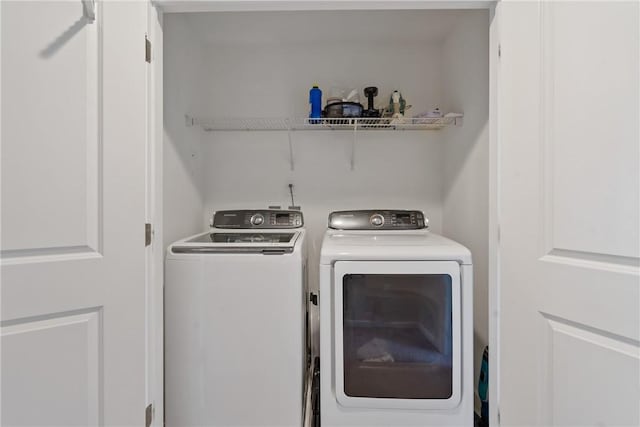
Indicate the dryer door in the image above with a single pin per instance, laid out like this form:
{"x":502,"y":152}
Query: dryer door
{"x":397,"y":334}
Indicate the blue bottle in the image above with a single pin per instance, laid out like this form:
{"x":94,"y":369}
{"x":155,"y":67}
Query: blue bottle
{"x":315,"y":99}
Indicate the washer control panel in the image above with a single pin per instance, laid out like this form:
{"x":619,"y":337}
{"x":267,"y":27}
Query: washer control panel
{"x":377,"y":220}
{"x":263,"y":218}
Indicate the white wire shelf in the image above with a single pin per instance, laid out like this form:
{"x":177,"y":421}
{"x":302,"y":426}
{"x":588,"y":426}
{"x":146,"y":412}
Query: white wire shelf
{"x":325,"y":124}
{"x":355,"y":125}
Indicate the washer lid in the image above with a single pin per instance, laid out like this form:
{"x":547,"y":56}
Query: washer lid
{"x":239,"y":241}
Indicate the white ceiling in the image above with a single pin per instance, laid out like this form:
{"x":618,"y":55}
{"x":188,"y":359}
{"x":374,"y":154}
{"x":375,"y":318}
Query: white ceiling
{"x":401,"y":26}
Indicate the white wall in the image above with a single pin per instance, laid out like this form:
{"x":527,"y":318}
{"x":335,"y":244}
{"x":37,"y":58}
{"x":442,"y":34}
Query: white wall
{"x":272,"y":78}
{"x":392,"y":169}
{"x":251,"y":170}
{"x":466,"y":157}
{"x":182,"y":168}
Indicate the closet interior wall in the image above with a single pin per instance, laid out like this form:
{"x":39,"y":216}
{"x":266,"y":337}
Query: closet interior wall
{"x":183,"y":181}
{"x":466,"y":159}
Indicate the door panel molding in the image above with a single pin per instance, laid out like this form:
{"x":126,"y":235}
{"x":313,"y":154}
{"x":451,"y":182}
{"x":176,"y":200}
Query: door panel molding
{"x":64,"y":349}
{"x":29,"y":226}
{"x":31,"y":256}
{"x":613,"y":263}
{"x":570,"y":381}
{"x":575,"y":145}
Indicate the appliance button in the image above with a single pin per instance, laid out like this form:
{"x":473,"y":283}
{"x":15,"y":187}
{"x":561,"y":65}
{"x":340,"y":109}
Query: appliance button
{"x":257,"y":219}
{"x":376,"y":220}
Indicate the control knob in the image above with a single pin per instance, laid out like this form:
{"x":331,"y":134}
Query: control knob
{"x":257,"y":219}
{"x":376,"y":220}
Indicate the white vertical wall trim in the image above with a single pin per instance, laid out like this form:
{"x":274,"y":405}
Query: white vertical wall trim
{"x":155,"y":297}
{"x":494,"y":217}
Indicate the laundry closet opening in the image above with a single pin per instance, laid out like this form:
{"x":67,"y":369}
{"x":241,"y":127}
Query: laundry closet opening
{"x":239,"y":67}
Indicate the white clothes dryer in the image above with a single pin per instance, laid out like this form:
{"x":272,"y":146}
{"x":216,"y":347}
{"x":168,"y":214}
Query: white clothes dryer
{"x":396,"y":329}
{"x":235,"y":305}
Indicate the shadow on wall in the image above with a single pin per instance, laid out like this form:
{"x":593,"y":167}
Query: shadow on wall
{"x":57,"y":44}
{"x":182,"y":182}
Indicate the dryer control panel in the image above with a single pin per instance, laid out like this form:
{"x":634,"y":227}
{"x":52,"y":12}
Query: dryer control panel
{"x":261,"y":218}
{"x":377,"y":220}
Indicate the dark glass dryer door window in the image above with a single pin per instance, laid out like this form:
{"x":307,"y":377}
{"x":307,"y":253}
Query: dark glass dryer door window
{"x":398,"y":333}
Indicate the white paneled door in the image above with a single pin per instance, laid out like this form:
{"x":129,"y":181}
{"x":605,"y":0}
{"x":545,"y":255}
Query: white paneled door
{"x":73,"y":212}
{"x":569,"y":213}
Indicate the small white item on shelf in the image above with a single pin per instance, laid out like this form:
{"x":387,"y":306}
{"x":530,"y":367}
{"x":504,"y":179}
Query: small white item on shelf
{"x":435,"y":113}
{"x":395,"y":97}
{"x":353,"y":96}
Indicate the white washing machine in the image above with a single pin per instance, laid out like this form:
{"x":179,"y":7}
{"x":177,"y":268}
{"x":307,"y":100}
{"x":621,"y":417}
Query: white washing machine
{"x":235,"y":307}
{"x":396,"y":329}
